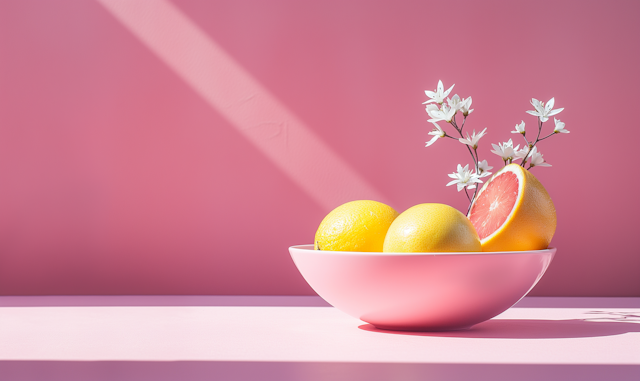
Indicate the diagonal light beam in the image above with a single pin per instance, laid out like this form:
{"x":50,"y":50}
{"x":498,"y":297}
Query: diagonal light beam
{"x":243,"y":101}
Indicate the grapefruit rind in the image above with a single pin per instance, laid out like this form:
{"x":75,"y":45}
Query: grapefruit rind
{"x":531,"y":223}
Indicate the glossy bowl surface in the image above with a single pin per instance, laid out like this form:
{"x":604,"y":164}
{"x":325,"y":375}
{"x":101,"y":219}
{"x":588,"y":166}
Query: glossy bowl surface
{"x":421,"y":291}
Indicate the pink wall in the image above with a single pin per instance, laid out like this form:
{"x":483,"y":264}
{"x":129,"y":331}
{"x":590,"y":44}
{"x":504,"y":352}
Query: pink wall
{"x":180,"y":147}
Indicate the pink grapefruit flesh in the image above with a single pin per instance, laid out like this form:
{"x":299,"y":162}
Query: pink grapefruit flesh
{"x":494,"y":204}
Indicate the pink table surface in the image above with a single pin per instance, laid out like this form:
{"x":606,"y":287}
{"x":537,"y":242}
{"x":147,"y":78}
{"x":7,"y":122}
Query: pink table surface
{"x":302,"y":338}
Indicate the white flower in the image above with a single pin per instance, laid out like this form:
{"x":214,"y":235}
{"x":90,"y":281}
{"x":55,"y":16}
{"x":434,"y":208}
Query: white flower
{"x":505,"y":150}
{"x":466,"y":104}
{"x":437,"y":134}
{"x":446,"y":113}
{"x":434,"y":112}
{"x":483,"y":168}
{"x":430,"y":109}
{"x":455,"y":102}
{"x":519,"y":129}
{"x":521,"y":154}
{"x":537,"y":160}
{"x":439,"y":95}
{"x":464,"y":178}
{"x":544,"y":112}
{"x":559,"y":127}
{"x":473,"y":139}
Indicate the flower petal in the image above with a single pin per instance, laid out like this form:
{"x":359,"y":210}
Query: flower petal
{"x":448,"y":91}
{"x":537,"y":105}
{"x":554,"y":112}
{"x":549,"y":106}
{"x":433,"y":140}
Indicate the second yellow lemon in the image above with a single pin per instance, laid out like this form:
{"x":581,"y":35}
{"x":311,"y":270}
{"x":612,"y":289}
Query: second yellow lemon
{"x":428,"y":228}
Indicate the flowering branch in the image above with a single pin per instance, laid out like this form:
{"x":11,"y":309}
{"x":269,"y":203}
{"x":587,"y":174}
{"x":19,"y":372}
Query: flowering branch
{"x":543,"y":112}
{"x":464,"y":178}
{"x":438,"y":110}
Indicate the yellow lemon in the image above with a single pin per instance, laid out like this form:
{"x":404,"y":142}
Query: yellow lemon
{"x":513,"y":211}
{"x":355,"y":226}
{"x":429,"y":228}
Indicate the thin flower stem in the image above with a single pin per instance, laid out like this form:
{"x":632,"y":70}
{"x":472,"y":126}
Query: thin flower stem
{"x":524,"y":159}
{"x":475,"y":150}
{"x":475,"y":193}
{"x":475,"y":161}
{"x":539,"y":130}
{"x":455,"y":125}
{"x":527,"y":142}
{"x":474,"y":156}
{"x":548,"y":136}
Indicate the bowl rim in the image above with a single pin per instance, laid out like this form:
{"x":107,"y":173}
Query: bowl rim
{"x":309,"y":248}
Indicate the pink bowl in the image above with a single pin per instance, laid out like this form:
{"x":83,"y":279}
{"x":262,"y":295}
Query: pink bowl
{"x":421,"y":291}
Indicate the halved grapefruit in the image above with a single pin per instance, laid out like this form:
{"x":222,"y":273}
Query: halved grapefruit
{"x":513,"y":212}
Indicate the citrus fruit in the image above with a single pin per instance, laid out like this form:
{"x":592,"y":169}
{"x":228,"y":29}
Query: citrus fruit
{"x":428,"y":228}
{"x":355,"y":226}
{"x":513,"y":212}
